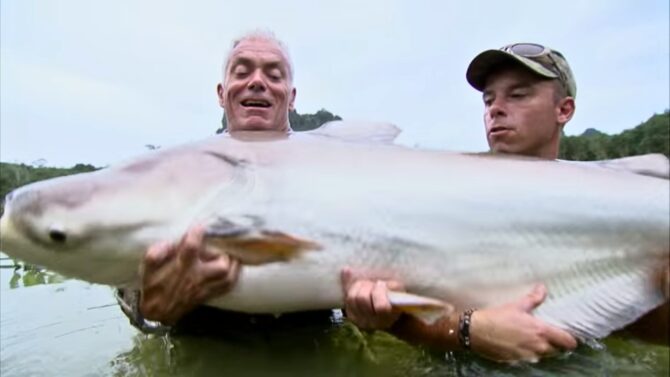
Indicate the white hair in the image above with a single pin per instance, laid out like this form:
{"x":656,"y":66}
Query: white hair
{"x":266,"y":35}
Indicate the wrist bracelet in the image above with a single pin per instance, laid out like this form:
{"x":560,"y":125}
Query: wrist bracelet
{"x":464,"y":328}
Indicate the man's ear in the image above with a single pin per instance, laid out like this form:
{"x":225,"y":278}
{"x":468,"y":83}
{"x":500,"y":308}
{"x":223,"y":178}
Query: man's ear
{"x":220,"y":93}
{"x":565,"y":110}
{"x":291,"y":103}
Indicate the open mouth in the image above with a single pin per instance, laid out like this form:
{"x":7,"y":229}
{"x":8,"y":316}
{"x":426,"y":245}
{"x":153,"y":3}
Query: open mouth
{"x":257,"y":103}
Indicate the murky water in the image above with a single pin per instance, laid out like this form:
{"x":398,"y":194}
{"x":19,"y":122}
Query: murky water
{"x":58,"y":327}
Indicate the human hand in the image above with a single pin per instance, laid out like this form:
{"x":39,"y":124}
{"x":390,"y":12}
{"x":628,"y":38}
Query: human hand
{"x":178,"y":277}
{"x":366,"y":302}
{"x":511,"y":333}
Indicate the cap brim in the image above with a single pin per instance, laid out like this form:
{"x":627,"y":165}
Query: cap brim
{"x":481,"y":66}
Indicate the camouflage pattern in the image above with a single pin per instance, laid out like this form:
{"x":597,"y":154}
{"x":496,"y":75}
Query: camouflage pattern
{"x":548,"y":63}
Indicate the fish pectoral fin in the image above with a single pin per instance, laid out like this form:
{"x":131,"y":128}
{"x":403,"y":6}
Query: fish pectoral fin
{"x":426,"y":309}
{"x":248,"y":241}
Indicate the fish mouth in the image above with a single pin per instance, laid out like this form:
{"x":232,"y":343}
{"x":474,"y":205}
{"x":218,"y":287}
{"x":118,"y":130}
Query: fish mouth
{"x":256,"y":103}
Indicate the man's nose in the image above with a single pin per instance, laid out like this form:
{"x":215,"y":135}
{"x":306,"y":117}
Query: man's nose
{"x":496,"y":108}
{"x":257,"y":83}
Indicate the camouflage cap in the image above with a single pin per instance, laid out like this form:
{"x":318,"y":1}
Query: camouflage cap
{"x":539,"y":59}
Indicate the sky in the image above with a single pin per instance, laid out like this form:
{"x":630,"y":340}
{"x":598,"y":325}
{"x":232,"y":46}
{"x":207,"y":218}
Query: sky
{"x":95,"y":82}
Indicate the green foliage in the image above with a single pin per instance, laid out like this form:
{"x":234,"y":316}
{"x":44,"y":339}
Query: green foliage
{"x":306,"y":122}
{"x":652,"y":136}
{"x":592,"y":132}
{"x":299,"y":122}
{"x":17,"y":175}
{"x":33,"y":275}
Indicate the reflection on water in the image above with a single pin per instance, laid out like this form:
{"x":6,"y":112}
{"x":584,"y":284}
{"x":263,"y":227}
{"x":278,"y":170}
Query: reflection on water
{"x":340,"y":351}
{"x":33,"y":276}
{"x":54,"y":326}
{"x":26,"y":275}
{"x":346,"y":352}
{"x":7,"y":262}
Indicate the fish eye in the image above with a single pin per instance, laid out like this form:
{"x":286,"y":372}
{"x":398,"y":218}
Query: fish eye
{"x":57,"y":235}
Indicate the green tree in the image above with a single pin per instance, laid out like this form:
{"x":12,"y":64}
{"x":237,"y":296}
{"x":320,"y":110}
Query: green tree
{"x":651,"y":136}
{"x":13,"y":176}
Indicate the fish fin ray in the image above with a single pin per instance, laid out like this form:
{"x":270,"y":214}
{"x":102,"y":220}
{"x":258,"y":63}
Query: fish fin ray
{"x":596,"y":312}
{"x":426,"y":309}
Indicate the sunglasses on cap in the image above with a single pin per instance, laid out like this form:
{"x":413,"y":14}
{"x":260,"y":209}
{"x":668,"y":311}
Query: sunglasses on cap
{"x":540,"y":54}
{"x":528,"y":50}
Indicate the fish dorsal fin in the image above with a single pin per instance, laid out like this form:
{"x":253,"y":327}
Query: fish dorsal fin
{"x":653,"y":165}
{"x":359,"y":131}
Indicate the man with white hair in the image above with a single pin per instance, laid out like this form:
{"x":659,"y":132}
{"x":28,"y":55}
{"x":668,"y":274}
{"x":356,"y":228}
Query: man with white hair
{"x":256,"y":94}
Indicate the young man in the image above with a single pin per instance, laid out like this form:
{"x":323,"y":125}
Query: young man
{"x":529,"y":95}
